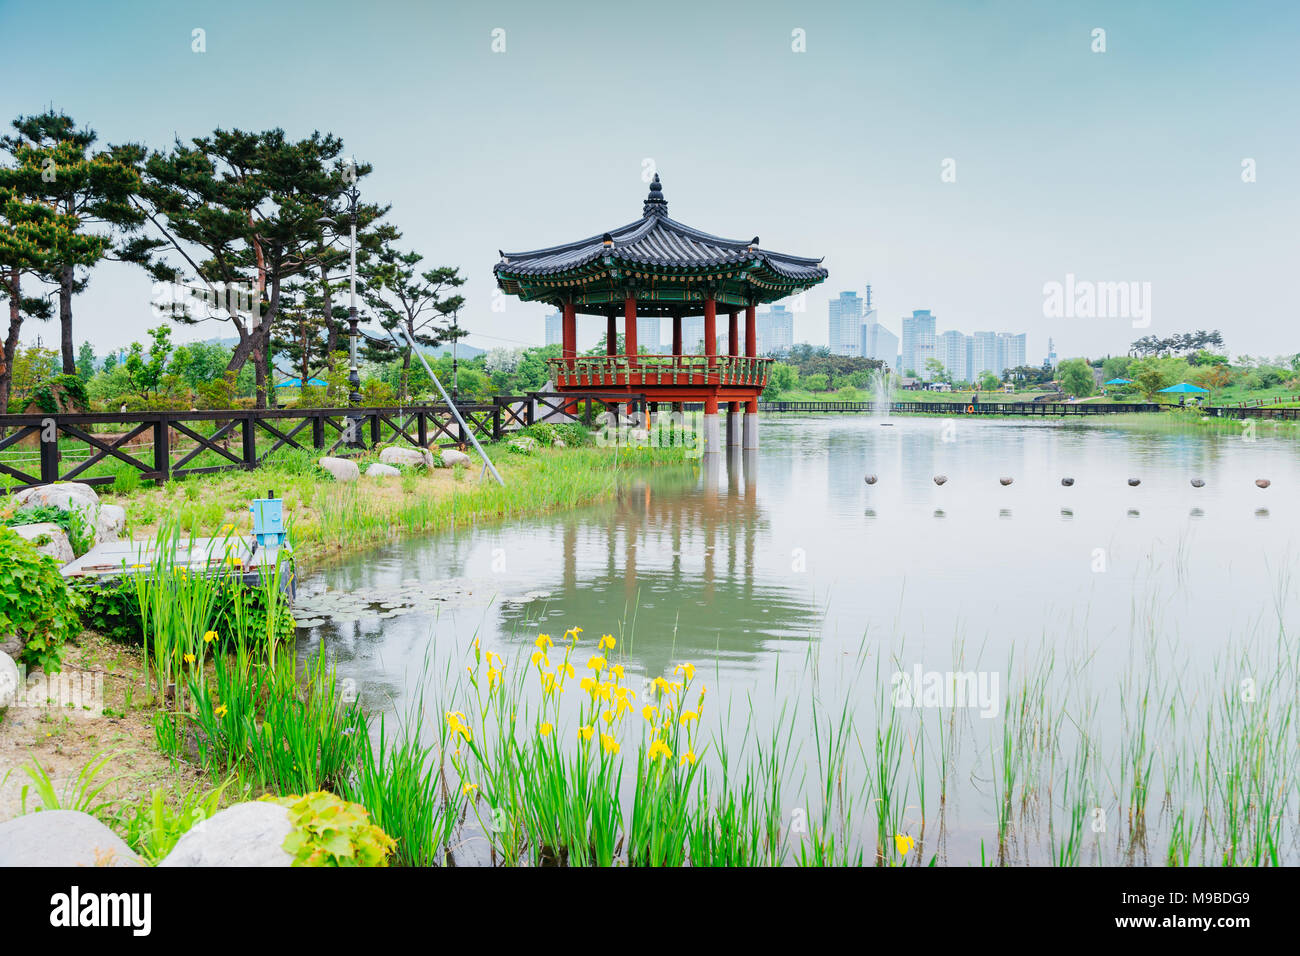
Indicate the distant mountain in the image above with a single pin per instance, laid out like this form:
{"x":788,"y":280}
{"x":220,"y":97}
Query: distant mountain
{"x":462,"y":351}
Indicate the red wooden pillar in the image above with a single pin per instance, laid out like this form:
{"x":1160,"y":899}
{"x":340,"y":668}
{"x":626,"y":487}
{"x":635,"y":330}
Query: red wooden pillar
{"x":629,"y":328}
{"x":733,"y":334}
{"x":611,"y":335}
{"x":569,"y":347}
{"x":751,"y":333}
{"x":711,"y":330}
{"x":677,"y":335}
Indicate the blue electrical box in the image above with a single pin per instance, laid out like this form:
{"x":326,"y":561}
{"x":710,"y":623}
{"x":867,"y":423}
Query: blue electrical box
{"x":268,"y":521}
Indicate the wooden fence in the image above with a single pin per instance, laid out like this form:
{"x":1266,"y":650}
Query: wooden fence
{"x":39,"y":449}
{"x":1028,"y":409}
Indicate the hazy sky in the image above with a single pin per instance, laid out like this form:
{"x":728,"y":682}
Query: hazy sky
{"x":1124,"y":165}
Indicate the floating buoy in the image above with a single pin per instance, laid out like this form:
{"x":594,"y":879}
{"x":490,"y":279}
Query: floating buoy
{"x":1005,"y":481}
{"x":1067,"y":482}
{"x":1262,"y":482}
{"x":870,"y":479}
{"x":1134,"y":482}
{"x":940,"y":479}
{"x":1198,"y":482}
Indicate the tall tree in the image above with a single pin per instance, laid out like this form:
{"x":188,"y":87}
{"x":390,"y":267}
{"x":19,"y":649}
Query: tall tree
{"x":33,"y":236}
{"x":404,"y":296}
{"x":93,"y":187}
{"x":239,"y":211}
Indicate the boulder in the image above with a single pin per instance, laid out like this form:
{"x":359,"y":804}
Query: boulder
{"x":381,"y":471}
{"x":524,"y":443}
{"x":110,"y":523}
{"x":10,"y":680}
{"x":64,"y":495}
{"x":48,"y":538}
{"x":406,"y":456}
{"x":247,"y":834}
{"x":62,"y":838}
{"x":340,"y":468}
{"x":451,"y":458}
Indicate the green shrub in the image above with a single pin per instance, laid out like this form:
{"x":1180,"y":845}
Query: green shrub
{"x":332,"y":832}
{"x":35,"y":603}
{"x":110,"y":610}
{"x":80,"y":534}
{"x":544,"y":432}
{"x":574,"y":434}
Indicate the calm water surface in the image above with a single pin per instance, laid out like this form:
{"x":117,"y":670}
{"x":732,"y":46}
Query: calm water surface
{"x":783,"y":571}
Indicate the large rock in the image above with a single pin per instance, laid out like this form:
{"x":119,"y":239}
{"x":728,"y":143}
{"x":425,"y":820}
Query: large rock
{"x":341,"y":468}
{"x":381,"y":471}
{"x":64,"y":495}
{"x":9,"y":681}
{"x":451,"y":458}
{"x":110,"y":523}
{"x":406,"y":456}
{"x":48,"y":538}
{"x":62,"y":838}
{"x":247,"y":834}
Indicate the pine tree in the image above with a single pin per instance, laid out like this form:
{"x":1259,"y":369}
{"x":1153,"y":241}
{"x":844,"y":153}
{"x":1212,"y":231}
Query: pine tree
{"x":402,"y":296}
{"x":94,"y":188}
{"x":240,"y":210}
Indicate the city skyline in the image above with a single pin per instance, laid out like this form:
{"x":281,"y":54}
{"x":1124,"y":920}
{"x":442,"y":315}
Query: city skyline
{"x":974,"y":184}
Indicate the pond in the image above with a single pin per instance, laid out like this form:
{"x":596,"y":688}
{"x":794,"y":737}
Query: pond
{"x":1131,"y":636}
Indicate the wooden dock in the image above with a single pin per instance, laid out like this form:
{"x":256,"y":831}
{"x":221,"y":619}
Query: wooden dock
{"x":232,"y":554}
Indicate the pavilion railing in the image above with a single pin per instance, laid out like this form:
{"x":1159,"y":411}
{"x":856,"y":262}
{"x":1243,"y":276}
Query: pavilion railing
{"x":597,"y":371}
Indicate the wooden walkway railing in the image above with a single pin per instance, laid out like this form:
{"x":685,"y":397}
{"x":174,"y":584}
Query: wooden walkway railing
{"x":1028,"y":409}
{"x":39,"y":449}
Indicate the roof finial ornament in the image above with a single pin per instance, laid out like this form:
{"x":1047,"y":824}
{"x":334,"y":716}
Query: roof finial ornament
{"x":655,"y":204}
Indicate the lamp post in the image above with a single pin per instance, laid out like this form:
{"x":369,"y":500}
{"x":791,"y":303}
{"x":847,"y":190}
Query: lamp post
{"x":352,"y":196}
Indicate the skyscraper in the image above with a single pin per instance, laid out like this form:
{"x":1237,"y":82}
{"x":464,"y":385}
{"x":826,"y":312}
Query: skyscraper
{"x":984,"y":354}
{"x":878,"y":342}
{"x":693,"y":334}
{"x":1011,"y":350}
{"x":554,"y":329}
{"x":775,"y":330}
{"x":918,"y":343}
{"x":954,"y":352}
{"x":649,"y":333}
{"x":844,"y":331}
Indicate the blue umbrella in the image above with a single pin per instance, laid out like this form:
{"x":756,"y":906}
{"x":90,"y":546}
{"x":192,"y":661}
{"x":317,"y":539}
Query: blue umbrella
{"x":1118,"y":381}
{"x":1183,"y":389}
{"x":297,"y":382}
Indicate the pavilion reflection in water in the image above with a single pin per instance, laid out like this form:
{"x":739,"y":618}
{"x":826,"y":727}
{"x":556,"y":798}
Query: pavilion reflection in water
{"x":675,"y":572}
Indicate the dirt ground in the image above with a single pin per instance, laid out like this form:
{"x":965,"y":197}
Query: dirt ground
{"x":61,"y":727}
